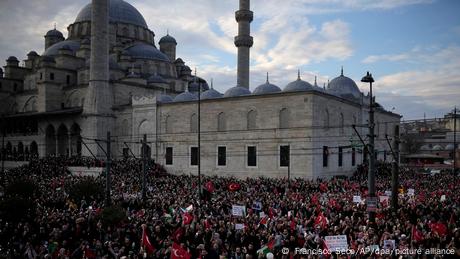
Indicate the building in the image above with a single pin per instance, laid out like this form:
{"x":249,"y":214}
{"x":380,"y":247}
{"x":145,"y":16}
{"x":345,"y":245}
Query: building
{"x":433,"y":137}
{"x":108,"y":75}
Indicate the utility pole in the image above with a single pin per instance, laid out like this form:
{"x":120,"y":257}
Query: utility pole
{"x":199,"y":137}
{"x":371,"y":172}
{"x":144,"y":166}
{"x":395,"y":170}
{"x":107,"y":172}
{"x":455,"y":140}
{"x":3,"y":149}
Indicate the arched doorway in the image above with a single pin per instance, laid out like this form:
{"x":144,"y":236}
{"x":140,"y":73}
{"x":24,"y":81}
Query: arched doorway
{"x":63,"y":140}
{"x":75,"y":140}
{"x":50,"y":140}
{"x":20,"y":151}
{"x":33,"y":149}
{"x":9,"y":150}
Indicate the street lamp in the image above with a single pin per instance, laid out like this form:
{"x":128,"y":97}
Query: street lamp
{"x":371,"y":172}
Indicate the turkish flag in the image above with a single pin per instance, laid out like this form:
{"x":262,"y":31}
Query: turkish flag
{"x":416,"y":234}
{"x":177,"y":234}
{"x":439,"y":228}
{"x":146,"y":242}
{"x":321,"y":221}
{"x":187,"y":218}
{"x":209,"y":186}
{"x":178,"y":252}
{"x":271,"y":244}
{"x":234,"y":187}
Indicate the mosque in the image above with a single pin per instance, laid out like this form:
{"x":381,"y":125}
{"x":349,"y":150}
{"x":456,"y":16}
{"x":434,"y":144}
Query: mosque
{"x":109,"y":75}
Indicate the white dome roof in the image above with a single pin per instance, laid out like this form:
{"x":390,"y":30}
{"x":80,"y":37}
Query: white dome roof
{"x":237,"y":91}
{"x":344,"y":86}
{"x":185,"y":97}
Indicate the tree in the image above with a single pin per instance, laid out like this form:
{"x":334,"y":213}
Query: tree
{"x":411,"y":143}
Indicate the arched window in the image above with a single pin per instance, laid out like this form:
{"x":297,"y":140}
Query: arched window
{"x":342,"y":122}
{"x":252,"y":119}
{"x":284,"y":118}
{"x":221,"y":122}
{"x":168,"y":124}
{"x":193,"y":123}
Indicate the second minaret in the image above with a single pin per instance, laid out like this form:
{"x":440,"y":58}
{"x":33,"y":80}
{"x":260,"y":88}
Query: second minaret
{"x":243,"y":41}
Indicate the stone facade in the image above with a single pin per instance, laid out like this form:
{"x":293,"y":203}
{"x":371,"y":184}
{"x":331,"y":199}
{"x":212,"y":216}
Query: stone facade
{"x":60,"y":102}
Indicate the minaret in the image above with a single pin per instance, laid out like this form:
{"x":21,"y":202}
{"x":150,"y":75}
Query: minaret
{"x":243,"y":42}
{"x":97,"y":109}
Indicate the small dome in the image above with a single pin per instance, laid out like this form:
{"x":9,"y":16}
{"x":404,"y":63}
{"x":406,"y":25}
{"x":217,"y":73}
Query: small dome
{"x":163,"y":98}
{"x":119,"y":11}
{"x":54,"y":33}
{"x":12,"y":58}
{"x":32,"y":54}
{"x":210,"y":94}
{"x":167,"y":39}
{"x":298,"y":85}
{"x":237,"y":91}
{"x":185,"y":97}
{"x":425,"y":148}
{"x":54,"y":49}
{"x":197,"y":83}
{"x":438,"y":148}
{"x":266,"y":88}
{"x":344,"y":86}
{"x":449,"y":147}
{"x":145,"y":51}
{"x":179,"y":61}
{"x":156,"y":79}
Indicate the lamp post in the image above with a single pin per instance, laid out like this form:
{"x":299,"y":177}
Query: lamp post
{"x":371,"y":172}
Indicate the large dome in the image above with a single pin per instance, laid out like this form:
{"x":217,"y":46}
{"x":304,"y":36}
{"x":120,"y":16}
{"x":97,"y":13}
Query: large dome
{"x":344,"y":86}
{"x":145,"y":51}
{"x":119,"y":11}
{"x":237,"y":91}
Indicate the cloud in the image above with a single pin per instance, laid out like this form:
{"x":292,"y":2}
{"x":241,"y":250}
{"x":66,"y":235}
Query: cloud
{"x":433,"y":86}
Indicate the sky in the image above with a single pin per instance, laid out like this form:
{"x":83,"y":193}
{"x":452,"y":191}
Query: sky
{"x":412,"y":47}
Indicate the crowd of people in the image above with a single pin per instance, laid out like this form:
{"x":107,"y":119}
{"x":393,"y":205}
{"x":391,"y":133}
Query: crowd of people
{"x":278,"y":217}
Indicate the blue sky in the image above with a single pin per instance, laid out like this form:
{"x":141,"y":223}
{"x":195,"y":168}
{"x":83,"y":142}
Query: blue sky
{"x":412,"y":47}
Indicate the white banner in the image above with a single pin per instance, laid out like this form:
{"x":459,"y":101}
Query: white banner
{"x":357,"y":199}
{"x":336,"y":243}
{"x":238,"y":210}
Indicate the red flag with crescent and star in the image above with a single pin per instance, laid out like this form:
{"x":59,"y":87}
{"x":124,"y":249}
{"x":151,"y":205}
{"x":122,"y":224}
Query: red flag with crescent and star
{"x":234,"y":187}
{"x":187,"y":218}
{"x":179,"y":253}
{"x":146,"y":241}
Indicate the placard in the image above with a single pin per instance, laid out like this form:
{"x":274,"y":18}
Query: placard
{"x":388,"y":193}
{"x":336,"y":243}
{"x":411,"y":192}
{"x":239,"y":226}
{"x":357,"y":199}
{"x":371,"y":204}
{"x":238,"y":210}
{"x":257,"y":205}
{"x":443,"y":197}
{"x":389,"y":244}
